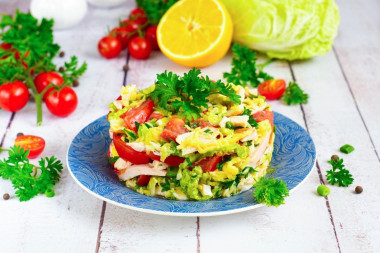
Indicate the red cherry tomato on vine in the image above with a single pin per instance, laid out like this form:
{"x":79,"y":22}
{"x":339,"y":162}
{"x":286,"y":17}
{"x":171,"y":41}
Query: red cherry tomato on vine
{"x":272,"y":89}
{"x":123,"y":34}
{"x":32,"y":143}
{"x":13,"y":96}
{"x":128,"y":153}
{"x":42,"y":80}
{"x":151,"y":36}
{"x":140,"y":48}
{"x":109,"y":47}
{"x":62,"y":103}
{"x":139,"y":15}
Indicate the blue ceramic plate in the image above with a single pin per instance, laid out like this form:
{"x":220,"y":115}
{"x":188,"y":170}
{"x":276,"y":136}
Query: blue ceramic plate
{"x":293,"y":159}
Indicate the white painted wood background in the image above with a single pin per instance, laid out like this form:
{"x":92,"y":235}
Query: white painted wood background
{"x":344,"y":86}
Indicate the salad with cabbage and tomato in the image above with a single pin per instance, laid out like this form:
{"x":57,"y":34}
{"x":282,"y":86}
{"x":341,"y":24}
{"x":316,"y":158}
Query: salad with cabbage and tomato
{"x":190,"y":138}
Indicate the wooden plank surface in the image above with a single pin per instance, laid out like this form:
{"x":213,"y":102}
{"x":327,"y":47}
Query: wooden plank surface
{"x":357,"y":48}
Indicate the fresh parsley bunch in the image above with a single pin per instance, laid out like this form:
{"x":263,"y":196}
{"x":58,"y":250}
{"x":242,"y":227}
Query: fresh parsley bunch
{"x":294,"y":94}
{"x":30,"y":180}
{"x":187,"y":95}
{"x":244,"y":69}
{"x":338,"y":174}
{"x":270,"y":191}
{"x":155,"y":9}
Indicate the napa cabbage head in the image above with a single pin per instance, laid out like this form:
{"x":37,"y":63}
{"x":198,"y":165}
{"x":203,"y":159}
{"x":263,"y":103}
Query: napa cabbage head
{"x":285,"y":29}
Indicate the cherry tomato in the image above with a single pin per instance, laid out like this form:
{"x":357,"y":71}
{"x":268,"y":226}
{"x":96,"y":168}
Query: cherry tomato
{"x":172,"y":160}
{"x":32,"y":143}
{"x":42,"y":80}
{"x":263,"y":115}
{"x":13,"y":96}
{"x":63,"y":102}
{"x":173,"y":128}
{"x":151,"y":36}
{"x":143,"y":180}
{"x":109,"y":47}
{"x":139,"y":15}
{"x":156,"y":115}
{"x":209,"y":163}
{"x":272,"y":89}
{"x":123,"y":34}
{"x":140,"y":48}
{"x":128,"y":153}
{"x":139,"y":114}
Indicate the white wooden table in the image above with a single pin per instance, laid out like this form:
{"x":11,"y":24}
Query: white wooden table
{"x":344,"y":86}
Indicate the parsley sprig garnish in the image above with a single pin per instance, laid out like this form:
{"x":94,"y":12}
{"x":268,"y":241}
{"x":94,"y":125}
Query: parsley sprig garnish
{"x":187,"y":95}
{"x":31,"y":51}
{"x":244,"y":70}
{"x":270,"y":191}
{"x":30,"y":180}
{"x":155,"y":9}
{"x":338,"y":174}
{"x":294,"y":95}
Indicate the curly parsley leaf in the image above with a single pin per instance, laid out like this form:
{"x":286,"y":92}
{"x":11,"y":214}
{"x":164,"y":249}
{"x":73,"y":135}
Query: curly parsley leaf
{"x":30,"y":180}
{"x":72,"y":71}
{"x":338,"y":174}
{"x":244,"y":69}
{"x":270,"y":191}
{"x":155,"y":9}
{"x":187,"y":95}
{"x":294,"y":95}
{"x":252,"y":121}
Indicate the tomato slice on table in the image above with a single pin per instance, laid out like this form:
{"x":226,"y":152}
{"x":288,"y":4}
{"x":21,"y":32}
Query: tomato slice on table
{"x":263,"y":115}
{"x":173,"y":128}
{"x":172,"y":160}
{"x":143,"y":180}
{"x":34,"y":144}
{"x":209,"y":163}
{"x":128,"y":153}
{"x":272,"y":89}
{"x":139,"y":114}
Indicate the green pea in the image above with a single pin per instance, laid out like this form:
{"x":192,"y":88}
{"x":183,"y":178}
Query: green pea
{"x":346,"y":149}
{"x":49,"y":193}
{"x":323,"y":190}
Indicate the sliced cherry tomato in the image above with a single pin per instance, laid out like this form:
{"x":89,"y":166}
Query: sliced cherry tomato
{"x":109,"y":47}
{"x":272,"y":89}
{"x":62,"y":103}
{"x":173,"y":128}
{"x":13,"y":96}
{"x":32,"y":143}
{"x":172,"y":160}
{"x":128,"y":153}
{"x":139,"y":114}
{"x":143,"y":180}
{"x":140,"y":48}
{"x":151,"y":36}
{"x":203,"y":123}
{"x":123,"y":34}
{"x":156,"y":115}
{"x":43,"y":80}
{"x":209,"y":163}
{"x":139,"y":15}
{"x":263,"y":115}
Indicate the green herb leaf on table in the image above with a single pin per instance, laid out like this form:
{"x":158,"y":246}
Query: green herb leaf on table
{"x":270,"y":191}
{"x":155,"y":9}
{"x":338,"y":174}
{"x":30,"y":180}
{"x":187,"y":95}
{"x":244,"y":69}
{"x":294,"y":95}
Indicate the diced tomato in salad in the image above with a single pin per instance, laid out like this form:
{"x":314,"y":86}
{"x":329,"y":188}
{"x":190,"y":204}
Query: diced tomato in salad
{"x":263,"y":115}
{"x":172,"y":160}
{"x":143,"y":180}
{"x":209,"y":164}
{"x":139,"y":114}
{"x":128,"y":153}
{"x":173,"y":128}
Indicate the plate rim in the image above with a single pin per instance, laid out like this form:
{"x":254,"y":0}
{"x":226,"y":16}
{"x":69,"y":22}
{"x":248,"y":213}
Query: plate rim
{"x":182,"y":214}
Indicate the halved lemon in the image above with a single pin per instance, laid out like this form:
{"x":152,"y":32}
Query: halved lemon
{"x":195,"y":33}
